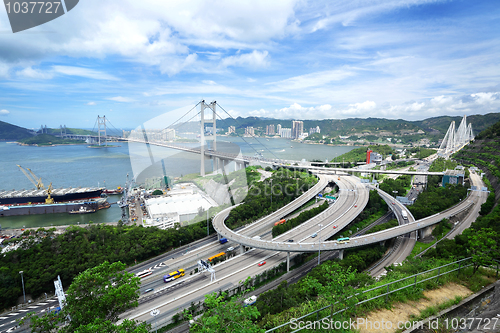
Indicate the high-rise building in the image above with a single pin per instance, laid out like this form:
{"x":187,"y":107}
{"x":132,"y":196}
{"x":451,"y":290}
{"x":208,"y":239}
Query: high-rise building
{"x":231,"y":129}
{"x":249,"y":131}
{"x":270,"y":129}
{"x":278,"y":130}
{"x":297,"y":129}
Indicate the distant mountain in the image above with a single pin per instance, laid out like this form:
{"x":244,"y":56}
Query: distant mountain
{"x":441,"y":124}
{"x":13,"y":132}
{"x":375,"y":126}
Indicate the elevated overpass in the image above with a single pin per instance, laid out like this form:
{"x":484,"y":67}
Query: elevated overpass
{"x":314,"y":246}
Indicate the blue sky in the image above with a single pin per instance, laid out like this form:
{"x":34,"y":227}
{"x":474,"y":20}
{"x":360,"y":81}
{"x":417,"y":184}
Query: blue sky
{"x":135,"y":60}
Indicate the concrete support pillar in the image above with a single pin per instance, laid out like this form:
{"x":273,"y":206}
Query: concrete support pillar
{"x":202,"y":139}
{"x":213,"y":104}
{"x":341,"y":254}
{"x":288,"y":261}
{"x":218,"y":236}
{"x":242,"y":249}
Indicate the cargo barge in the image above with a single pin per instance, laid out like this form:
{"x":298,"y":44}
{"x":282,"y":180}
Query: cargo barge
{"x":54,"y":208}
{"x":60,"y":195}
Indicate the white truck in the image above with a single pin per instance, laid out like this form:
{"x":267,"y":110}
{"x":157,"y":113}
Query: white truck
{"x":404,"y":214}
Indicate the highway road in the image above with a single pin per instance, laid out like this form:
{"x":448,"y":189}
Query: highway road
{"x":404,"y":244}
{"x":350,"y":203}
{"x":229,"y":273}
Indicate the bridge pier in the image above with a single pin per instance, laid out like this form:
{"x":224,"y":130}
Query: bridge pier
{"x":341,"y":254}
{"x":425,"y":232}
{"x":288,"y":261}
{"x":242,"y":249}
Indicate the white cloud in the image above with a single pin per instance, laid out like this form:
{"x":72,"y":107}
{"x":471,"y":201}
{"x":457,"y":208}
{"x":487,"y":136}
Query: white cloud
{"x":486,"y":98}
{"x":297,"y":111}
{"x":121,"y":99}
{"x":4,"y":70}
{"x":91,"y":103}
{"x":172,"y":67}
{"x":311,"y":80}
{"x":4,"y":112}
{"x":255,"y":59}
{"x":31,"y":73}
{"x":83,"y":72}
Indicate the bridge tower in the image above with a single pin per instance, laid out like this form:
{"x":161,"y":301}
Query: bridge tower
{"x":101,"y":125}
{"x":454,"y":140}
{"x":212,"y":107}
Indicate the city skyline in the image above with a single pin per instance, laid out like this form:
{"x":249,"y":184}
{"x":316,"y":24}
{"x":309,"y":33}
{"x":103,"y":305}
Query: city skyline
{"x":287,"y":60}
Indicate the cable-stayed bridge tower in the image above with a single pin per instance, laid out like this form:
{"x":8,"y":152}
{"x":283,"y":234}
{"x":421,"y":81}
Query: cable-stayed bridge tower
{"x":454,"y":140}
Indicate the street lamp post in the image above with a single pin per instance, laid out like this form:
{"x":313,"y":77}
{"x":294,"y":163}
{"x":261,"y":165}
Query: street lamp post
{"x":208,"y":230}
{"x":319,"y":247}
{"x":154,"y":313}
{"x":271,"y":193}
{"x":394,"y":193}
{"x":22,"y":280}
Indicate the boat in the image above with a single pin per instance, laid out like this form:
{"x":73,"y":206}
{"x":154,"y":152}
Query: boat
{"x":104,"y":205}
{"x":61,"y":195}
{"x":118,"y":190}
{"x":83,"y":210}
{"x":50,"y":208}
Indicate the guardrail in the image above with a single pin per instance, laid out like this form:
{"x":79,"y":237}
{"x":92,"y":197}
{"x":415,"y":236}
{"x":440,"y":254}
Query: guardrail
{"x":461,"y":265}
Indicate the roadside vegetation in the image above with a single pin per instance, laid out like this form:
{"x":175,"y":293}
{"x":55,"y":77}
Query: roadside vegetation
{"x":287,"y":185}
{"x":93,"y":304}
{"x":44,"y":255}
{"x":304,"y":216}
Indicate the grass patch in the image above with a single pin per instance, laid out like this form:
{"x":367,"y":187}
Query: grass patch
{"x":361,"y":224}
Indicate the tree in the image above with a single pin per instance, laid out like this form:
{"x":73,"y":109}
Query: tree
{"x":94,"y":300}
{"x":483,"y":246}
{"x":227,"y":316}
{"x":334,"y":285}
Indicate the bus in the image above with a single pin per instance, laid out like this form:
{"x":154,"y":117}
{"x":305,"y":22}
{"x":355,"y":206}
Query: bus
{"x":216,"y":256}
{"x":144,"y":273}
{"x":250,"y":301}
{"x":174,"y":275}
{"x":343,"y":240}
{"x":280,"y":222}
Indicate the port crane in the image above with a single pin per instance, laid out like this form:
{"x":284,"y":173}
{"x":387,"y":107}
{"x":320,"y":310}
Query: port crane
{"x":37,"y":181}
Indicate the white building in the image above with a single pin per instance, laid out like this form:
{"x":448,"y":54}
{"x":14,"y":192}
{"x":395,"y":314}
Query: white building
{"x":286,"y":133}
{"x":249,"y":131}
{"x":181,"y":205}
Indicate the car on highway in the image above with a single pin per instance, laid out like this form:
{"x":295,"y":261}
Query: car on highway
{"x":148,"y":290}
{"x":290,"y":240}
{"x":229,"y":249}
{"x":393,"y":203}
{"x":314,"y":235}
{"x":355,"y":206}
{"x":262,"y":263}
{"x":334,"y":227}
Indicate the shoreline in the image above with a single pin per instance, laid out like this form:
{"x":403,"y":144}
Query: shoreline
{"x":59,"y":228}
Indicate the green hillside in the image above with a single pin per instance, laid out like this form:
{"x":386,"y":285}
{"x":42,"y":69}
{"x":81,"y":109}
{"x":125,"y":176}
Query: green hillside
{"x":48,"y":140}
{"x":13,"y":132}
{"x":75,"y":131}
{"x":434,"y":128}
